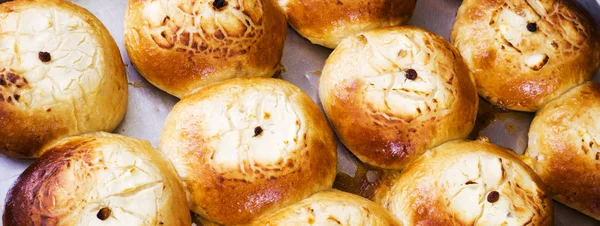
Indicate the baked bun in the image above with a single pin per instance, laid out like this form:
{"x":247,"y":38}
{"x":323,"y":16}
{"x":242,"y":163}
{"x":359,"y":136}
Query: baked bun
{"x":564,"y":148}
{"x":98,"y":179}
{"x":327,"y":23}
{"x":59,"y":70}
{"x":181,"y":45}
{"x":395,"y":92}
{"x":526,"y":53}
{"x":331,"y":208}
{"x":467,"y":183}
{"x":247,"y":147}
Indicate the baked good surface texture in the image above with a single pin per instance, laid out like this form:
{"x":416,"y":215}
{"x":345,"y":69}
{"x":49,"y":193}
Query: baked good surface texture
{"x":393,"y":93}
{"x":564,"y":148}
{"x":327,"y":23}
{"x":526,"y":53}
{"x":98,"y":179}
{"x":467,"y":183}
{"x":182,"y":45}
{"x":331,"y":207}
{"x":247,"y":147}
{"x":59,"y":69}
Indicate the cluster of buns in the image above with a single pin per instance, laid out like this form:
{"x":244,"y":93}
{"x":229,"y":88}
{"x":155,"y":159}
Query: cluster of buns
{"x":396,"y":98}
{"x":537,"y":55}
{"x":241,"y":148}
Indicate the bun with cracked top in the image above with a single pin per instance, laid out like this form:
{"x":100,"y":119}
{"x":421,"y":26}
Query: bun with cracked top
{"x":98,"y":179}
{"x":247,"y":147}
{"x":59,"y":69}
{"x":467,"y":183}
{"x":564,"y":148}
{"x":393,"y":93}
{"x":327,"y":23}
{"x":524,"y":54}
{"x":182,"y":45}
{"x":331,"y":207}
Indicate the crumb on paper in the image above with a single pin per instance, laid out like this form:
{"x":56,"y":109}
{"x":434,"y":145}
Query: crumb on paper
{"x":510,"y":128}
{"x":317,"y":72}
{"x":138,"y":85}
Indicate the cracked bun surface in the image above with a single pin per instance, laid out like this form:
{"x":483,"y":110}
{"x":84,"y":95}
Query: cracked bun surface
{"x":331,"y":207}
{"x":98,"y":179}
{"x":467,"y":183}
{"x":327,"y":23}
{"x":247,"y":147}
{"x":526,"y":53}
{"x":182,"y":45}
{"x":564,"y":148}
{"x":393,"y":93}
{"x":59,"y":69}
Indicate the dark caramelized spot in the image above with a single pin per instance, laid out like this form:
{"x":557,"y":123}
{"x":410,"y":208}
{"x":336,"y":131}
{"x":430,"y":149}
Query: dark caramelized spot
{"x":493,"y":196}
{"x":12,"y":78}
{"x":411,"y":74}
{"x":219,"y":4}
{"x":104,"y":213}
{"x":44,"y":56}
{"x":470,"y":182}
{"x":257,"y":131}
{"x":532,"y":27}
{"x":17,"y":96}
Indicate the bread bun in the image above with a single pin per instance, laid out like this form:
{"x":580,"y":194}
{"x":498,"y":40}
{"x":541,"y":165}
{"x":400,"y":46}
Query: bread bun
{"x":98,"y":179}
{"x":59,"y":70}
{"x":467,"y":183}
{"x":247,"y":147}
{"x":395,"y":92}
{"x":564,"y":148}
{"x":331,"y":208}
{"x":181,"y":45}
{"x":327,"y":23}
{"x":526,"y":53}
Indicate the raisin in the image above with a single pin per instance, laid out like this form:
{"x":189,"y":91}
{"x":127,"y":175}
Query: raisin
{"x":44,"y":56}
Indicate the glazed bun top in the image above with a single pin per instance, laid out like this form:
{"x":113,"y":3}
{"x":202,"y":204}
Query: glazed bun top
{"x":181,"y":45}
{"x":467,"y":183}
{"x":566,"y":132}
{"x":327,"y":23}
{"x":59,"y":69}
{"x":407,"y":88}
{"x":526,"y":53}
{"x":247,"y":147}
{"x":98,"y":179}
{"x":331,"y":208}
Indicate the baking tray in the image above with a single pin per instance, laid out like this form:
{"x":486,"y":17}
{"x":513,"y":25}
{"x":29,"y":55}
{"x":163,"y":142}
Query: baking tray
{"x":148,"y":106}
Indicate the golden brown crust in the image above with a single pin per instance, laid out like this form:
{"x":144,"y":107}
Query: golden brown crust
{"x":247,"y":147}
{"x":564,"y":148}
{"x":206,"y":52}
{"x":331,"y":207}
{"x":467,"y":183}
{"x":388,"y":120}
{"x":521,"y":68}
{"x":78,"y":176}
{"x":327,"y":23}
{"x":34,"y":114}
